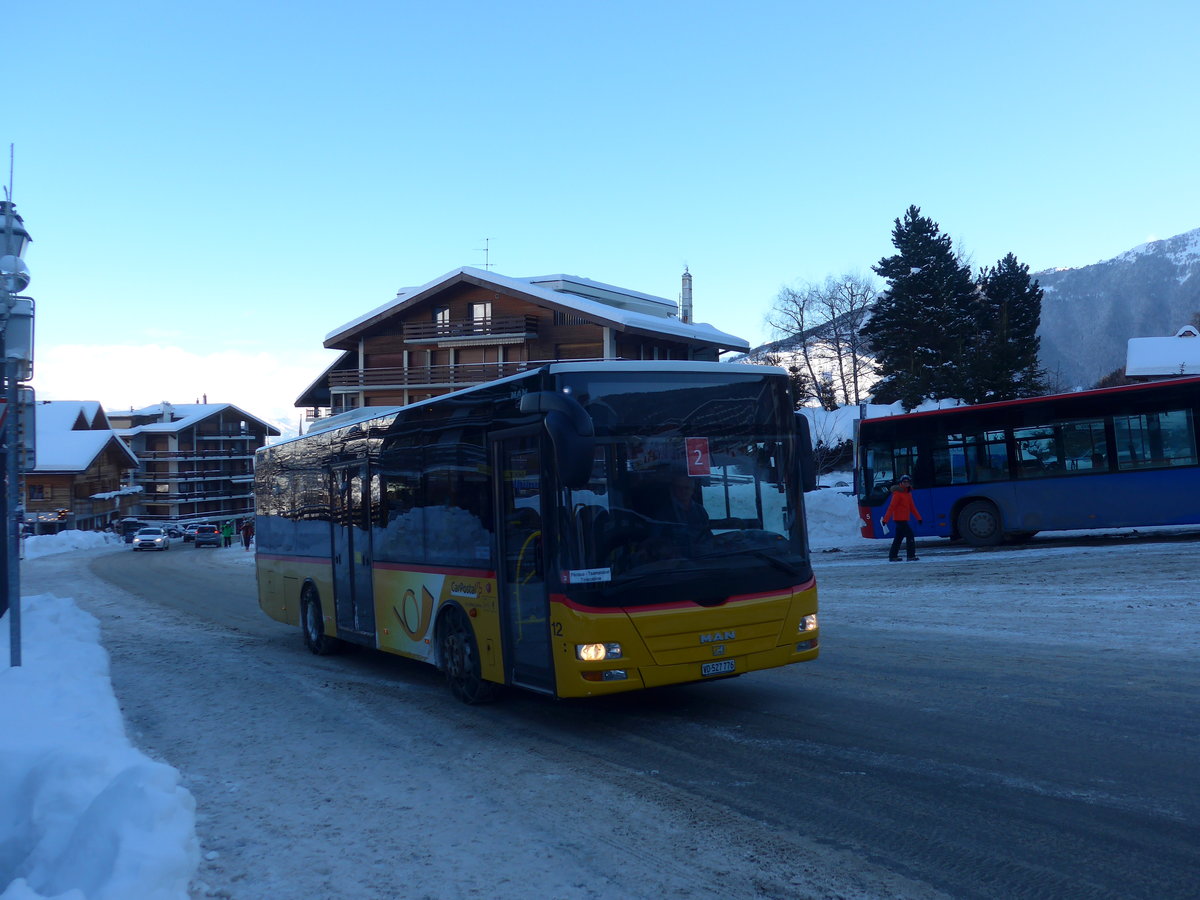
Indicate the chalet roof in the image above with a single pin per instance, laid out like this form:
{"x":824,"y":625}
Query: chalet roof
{"x":317,"y":393}
{"x":70,"y":434}
{"x":1164,"y":356}
{"x":183,"y":415}
{"x":603,"y":303}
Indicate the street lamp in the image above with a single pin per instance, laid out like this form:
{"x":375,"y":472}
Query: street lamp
{"x":16,"y":351}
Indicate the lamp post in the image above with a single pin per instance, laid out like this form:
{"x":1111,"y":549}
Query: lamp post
{"x":16,"y":352}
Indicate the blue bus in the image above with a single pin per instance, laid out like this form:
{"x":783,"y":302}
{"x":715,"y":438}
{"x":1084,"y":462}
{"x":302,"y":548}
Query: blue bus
{"x":1107,"y":458}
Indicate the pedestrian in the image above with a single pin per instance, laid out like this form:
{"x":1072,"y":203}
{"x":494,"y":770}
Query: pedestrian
{"x":900,"y":509}
{"x":247,"y":533}
{"x":227,"y":533}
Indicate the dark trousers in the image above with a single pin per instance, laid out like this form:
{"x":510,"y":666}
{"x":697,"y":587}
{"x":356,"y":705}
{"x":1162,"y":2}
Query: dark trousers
{"x":904,"y":532}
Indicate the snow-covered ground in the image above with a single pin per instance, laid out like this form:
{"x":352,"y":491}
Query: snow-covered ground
{"x":84,"y":815}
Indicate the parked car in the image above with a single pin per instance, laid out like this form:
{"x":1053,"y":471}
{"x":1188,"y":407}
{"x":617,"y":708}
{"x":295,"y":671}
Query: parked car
{"x":174,"y":532}
{"x":207,"y":534}
{"x":189,"y":533}
{"x":152,"y":538}
{"x":130,"y":527}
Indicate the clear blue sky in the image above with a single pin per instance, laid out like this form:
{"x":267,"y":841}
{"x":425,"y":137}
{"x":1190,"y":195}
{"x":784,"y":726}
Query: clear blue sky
{"x":226,"y":182}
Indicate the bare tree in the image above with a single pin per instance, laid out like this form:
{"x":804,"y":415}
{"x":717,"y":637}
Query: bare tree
{"x":847,"y":303}
{"x":818,"y":328}
{"x":792,"y":318}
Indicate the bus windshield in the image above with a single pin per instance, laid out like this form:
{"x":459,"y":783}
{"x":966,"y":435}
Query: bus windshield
{"x":702,"y":506}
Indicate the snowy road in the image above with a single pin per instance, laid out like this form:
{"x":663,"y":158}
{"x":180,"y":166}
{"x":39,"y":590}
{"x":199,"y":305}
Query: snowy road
{"x":1016,"y":722}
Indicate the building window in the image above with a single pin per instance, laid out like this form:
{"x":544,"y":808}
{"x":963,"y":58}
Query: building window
{"x":37,"y":492}
{"x":481,"y":311}
{"x":441,"y":315}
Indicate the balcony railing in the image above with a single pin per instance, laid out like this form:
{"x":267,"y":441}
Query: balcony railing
{"x":470,"y":329}
{"x":228,"y":453}
{"x":461,"y":375}
{"x":457,"y":376}
{"x":145,"y":478}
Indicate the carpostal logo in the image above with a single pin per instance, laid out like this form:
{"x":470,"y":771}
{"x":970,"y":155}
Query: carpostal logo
{"x":464,"y":589}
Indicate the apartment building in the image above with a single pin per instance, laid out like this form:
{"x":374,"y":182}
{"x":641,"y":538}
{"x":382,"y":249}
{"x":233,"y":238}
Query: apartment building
{"x":197,"y":460}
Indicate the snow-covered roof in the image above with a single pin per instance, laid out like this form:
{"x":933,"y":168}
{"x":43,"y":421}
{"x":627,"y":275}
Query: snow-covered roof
{"x":185,"y":415}
{"x":1163,"y":356}
{"x":61,"y":447}
{"x":595,"y":300}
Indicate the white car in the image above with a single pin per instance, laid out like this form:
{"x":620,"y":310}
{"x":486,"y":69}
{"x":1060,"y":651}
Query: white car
{"x":151,"y":539}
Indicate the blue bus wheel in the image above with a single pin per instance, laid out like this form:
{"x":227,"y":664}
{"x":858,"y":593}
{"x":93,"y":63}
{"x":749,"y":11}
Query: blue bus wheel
{"x":979,"y":524}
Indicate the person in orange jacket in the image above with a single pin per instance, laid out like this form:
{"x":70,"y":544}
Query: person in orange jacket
{"x":900,"y":509}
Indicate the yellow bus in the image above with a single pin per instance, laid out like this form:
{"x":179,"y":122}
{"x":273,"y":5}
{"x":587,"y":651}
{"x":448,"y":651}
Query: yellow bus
{"x":577,"y":530}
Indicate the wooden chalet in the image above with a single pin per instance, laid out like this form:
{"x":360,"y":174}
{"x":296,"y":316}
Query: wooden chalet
{"x":82,"y":477}
{"x":472,"y":326}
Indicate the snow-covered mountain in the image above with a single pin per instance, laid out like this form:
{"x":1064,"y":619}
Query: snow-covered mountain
{"x":1090,"y":313}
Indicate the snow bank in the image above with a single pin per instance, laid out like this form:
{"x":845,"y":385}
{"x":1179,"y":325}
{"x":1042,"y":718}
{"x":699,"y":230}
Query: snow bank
{"x":832,"y":519}
{"x":83,"y":814}
{"x":44,"y":544}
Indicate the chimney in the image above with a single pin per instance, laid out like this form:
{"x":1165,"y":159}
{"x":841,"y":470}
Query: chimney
{"x":685,"y":310}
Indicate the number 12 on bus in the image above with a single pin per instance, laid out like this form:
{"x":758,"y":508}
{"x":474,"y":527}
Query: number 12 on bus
{"x":1108,"y":458}
{"x":577,"y":530}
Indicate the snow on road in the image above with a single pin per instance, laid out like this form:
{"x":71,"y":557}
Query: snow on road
{"x":84,"y":815}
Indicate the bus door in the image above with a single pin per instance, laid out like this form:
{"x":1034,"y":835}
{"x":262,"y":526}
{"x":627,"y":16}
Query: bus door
{"x":353,"y":593}
{"x":521,"y":576}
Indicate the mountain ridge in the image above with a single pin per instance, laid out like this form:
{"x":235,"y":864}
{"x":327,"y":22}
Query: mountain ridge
{"x":1090,"y":313}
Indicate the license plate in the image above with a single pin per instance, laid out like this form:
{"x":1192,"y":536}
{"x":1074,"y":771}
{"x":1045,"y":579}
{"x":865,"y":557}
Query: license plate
{"x":723,"y":667}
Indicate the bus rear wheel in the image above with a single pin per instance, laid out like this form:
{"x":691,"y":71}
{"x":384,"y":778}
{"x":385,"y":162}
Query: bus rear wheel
{"x":312,"y":622}
{"x":979,"y":524}
{"x":458,"y":655}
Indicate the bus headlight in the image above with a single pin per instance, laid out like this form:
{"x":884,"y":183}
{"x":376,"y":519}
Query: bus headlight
{"x":597,"y":652}
{"x":808,"y":623}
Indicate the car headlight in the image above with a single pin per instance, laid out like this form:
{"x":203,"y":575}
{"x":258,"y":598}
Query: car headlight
{"x":808,"y":623}
{"x":597,"y":652}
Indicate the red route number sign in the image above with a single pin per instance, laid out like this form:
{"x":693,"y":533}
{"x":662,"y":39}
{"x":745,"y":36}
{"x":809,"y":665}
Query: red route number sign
{"x":698,"y":460}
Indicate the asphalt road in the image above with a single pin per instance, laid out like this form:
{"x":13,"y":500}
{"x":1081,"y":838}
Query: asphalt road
{"x":973,"y":766}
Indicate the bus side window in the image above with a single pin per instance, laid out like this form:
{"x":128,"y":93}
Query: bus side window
{"x":1155,"y":439}
{"x":403,"y":537}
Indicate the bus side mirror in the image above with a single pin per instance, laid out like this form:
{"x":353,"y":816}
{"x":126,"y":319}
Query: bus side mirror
{"x":804,"y":454}
{"x":571,"y":433}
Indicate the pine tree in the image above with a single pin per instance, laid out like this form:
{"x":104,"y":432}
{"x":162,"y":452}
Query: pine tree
{"x":922,"y":324}
{"x":1005,"y":349}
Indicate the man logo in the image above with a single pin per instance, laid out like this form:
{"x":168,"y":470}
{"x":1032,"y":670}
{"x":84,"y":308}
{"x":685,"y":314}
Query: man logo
{"x":718,"y":636}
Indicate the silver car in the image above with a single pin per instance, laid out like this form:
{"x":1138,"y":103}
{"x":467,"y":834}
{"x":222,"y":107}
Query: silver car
{"x":151,"y":539}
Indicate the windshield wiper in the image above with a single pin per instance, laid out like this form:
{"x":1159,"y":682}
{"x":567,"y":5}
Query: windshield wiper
{"x":774,"y":560}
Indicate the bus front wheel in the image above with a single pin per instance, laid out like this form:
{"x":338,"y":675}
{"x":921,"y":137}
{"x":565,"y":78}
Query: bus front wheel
{"x":459,"y":657}
{"x":979,"y":524}
{"x":312,"y":621}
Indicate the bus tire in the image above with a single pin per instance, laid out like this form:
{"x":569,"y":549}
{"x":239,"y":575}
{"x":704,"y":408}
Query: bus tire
{"x":458,"y":655}
{"x":312,"y":623}
{"x":979,"y":524}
